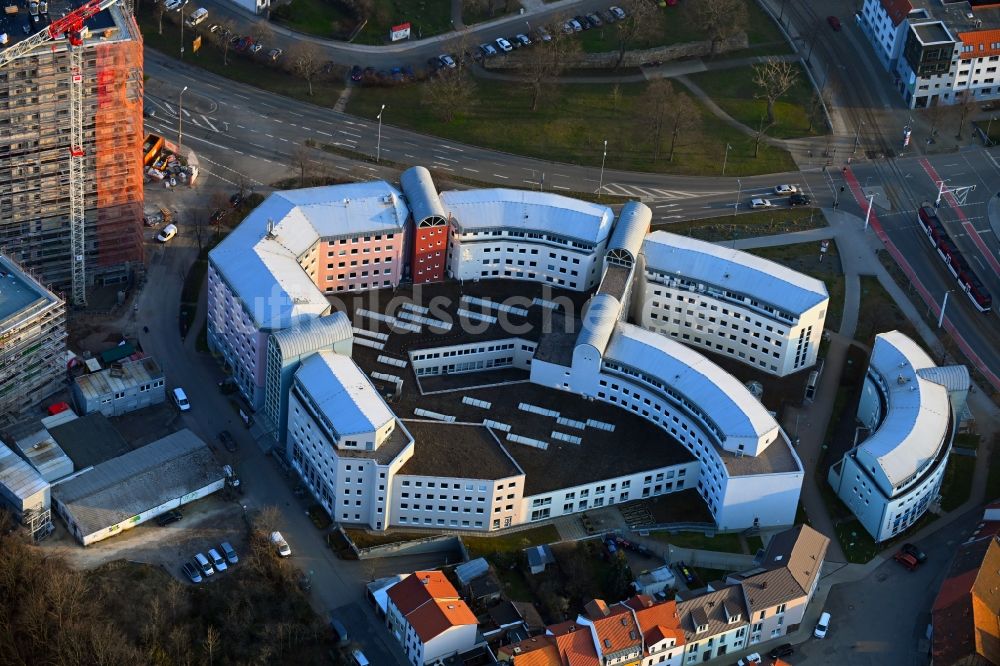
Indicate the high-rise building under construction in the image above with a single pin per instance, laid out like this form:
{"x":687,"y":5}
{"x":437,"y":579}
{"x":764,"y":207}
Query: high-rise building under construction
{"x":36,"y":122}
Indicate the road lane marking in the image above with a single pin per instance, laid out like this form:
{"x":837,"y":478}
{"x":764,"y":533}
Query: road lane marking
{"x":499,"y":176}
{"x":559,"y":187}
{"x":214,"y":128}
{"x":472,"y":170}
{"x":323,"y":133}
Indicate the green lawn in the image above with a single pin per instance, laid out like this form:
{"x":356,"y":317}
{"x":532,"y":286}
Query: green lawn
{"x":327,"y":18}
{"x":323,"y":18}
{"x":957,"y":482}
{"x":749,"y":224}
{"x":571,"y":126}
{"x":247,"y":69}
{"x":804,"y":257}
{"x":734,"y":90}
{"x":365,"y":539}
{"x":968,"y":440}
{"x":726,"y":543}
{"x":679,"y":24}
{"x":479,"y":13}
{"x":858,"y":545}
{"x":512,"y":542}
{"x":878,"y":313}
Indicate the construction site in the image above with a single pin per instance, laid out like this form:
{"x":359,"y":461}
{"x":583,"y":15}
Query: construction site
{"x":71,"y":138}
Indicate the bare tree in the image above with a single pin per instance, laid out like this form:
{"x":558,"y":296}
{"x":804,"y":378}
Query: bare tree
{"x":301,"y":159}
{"x":966,"y":104}
{"x":616,"y":95}
{"x":774,"y":77}
{"x":159,"y":9}
{"x":261,"y":32}
{"x":267,"y":519}
{"x":542,"y":65}
{"x":211,"y":642}
{"x":306,"y":60}
{"x":641,"y":22}
{"x":222,"y":36}
{"x":762,"y":128}
{"x":721,"y":19}
{"x":448,"y":93}
{"x":669,"y":112}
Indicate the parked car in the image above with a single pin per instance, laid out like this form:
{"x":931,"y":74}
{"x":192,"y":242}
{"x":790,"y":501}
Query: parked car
{"x":785,"y":190}
{"x":750,"y":660}
{"x":906,"y":560}
{"x":594,"y":19}
{"x":618,"y":12}
{"x":761,"y":203}
{"x":168,"y":518}
{"x":280,"y":545}
{"x":229,"y":552}
{"x":582,"y":20}
{"x":167,"y":233}
{"x":834,"y":23}
{"x":568,"y":28}
{"x":917,"y":554}
{"x":799,"y":200}
{"x":542,"y":34}
{"x":204,"y":564}
{"x":338,"y":629}
{"x":822,"y":626}
{"x":256,"y":48}
{"x":228,"y":441}
{"x":782,"y":650}
{"x":611,"y":546}
{"x":447,"y":61}
{"x":181,"y":399}
{"x":504,"y":45}
{"x":607,"y":16}
{"x":218,"y":561}
{"x":214,"y":28}
{"x":356,"y":73}
{"x":522,"y":39}
{"x":191,"y":572}
{"x":274,"y":54}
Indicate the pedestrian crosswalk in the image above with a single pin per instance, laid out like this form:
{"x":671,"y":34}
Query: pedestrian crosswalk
{"x":653,"y":193}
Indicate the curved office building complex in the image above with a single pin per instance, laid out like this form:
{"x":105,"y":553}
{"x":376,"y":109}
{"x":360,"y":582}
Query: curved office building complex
{"x":908,"y":413}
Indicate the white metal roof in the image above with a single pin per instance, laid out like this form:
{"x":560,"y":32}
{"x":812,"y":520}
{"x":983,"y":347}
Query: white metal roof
{"x":19,"y":477}
{"x":526,"y":210}
{"x":631,"y":228}
{"x":312,"y":335}
{"x":343,"y":393}
{"x":720,"y":395}
{"x":263,"y":270}
{"x":599,"y":321}
{"x":129,"y":374}
{"x":421,"y":195}
{"x":915,"y":424}
{"x":727,"y":268}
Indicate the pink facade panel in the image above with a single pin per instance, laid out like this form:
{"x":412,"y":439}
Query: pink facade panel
{"x":371,"y":261}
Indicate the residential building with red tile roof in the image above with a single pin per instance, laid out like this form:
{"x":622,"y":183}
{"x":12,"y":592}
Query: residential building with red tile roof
{"x":575,"y":643}
{"x":616,"y":632}
{"x":429,"y":619}
{"x":534,"y":651}
{"x":966,"y":612}
{"x":661,"y":630}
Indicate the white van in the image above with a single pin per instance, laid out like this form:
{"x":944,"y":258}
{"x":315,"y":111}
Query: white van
{"x":822,"y":626}
{"x":358,"y":658}
{"x":181,"y":399}
{"x":197,"y":16}
{"x":204,"y":564}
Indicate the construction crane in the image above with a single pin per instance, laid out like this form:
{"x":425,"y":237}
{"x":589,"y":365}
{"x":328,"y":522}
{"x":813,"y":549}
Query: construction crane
{"x":70,"y":29}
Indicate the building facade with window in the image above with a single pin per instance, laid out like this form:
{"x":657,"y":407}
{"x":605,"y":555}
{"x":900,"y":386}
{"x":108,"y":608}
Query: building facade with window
{"x":731,"y":303}
{"x":907,"y":416}
{"x":526,"y":235}
{"x":429,"y":248}
{"x":425,"y":613}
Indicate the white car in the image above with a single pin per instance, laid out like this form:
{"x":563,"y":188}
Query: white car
{"x":750,"y":660}
{"x":784,"y":190}
{"x":447,"y":61}
{"x":280,"y":544}
{"x":181,"y":399}
{"x":167,"y":233}
{"x":618,"y":12}
{"x":504,"y":45}
{"x":761,"y":203}
{"x":822,"y":626}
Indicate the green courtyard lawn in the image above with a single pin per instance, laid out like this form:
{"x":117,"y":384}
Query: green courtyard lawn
{"x":571,"y":125}
{"x":327,"y":18}
{"x":512,"y":542}
{"x":479,"y":13}
{"x":734,"y":91}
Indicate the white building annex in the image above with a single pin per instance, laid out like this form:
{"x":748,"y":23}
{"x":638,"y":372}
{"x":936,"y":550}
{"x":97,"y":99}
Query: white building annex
{"x":526,"y":235}
{"x":379,"y":466}
{"x":909,"y":408}
{"x":730,"y":302}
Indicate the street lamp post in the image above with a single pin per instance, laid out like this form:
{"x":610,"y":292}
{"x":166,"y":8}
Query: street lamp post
{"x":739,"y":190}
{"x":600,"y":183}
{"x":857,"y":137}
{"x":180,"y":121}
{"x":868,"y":215}
{"x":378,"y":146}
{"x":944,"y":304}
{"x":726,"y":159}
{"x":988,"y":139}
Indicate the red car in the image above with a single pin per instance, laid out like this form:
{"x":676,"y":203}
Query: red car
{"x":906,"y":560}
{"x":834,"y":22}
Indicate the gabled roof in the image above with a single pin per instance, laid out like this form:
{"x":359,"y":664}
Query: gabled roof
{"x":966,"y":612}
{"x":709,"y":610}
{"x":343,"y":393}
{"x":575,"y":644}
{"x":726,"y":268}
{"x":534,"y":651}
{"x":527,"y":210}
{"x":657,"y":620}
{"x":617,"y":630}
{"x":437,"y":616}
{"x":420,"y":587}
{"x":983,"y":43}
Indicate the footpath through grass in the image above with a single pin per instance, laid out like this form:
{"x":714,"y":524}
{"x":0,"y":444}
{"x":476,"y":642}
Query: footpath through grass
{"x":734,"y":91}
{"x":570,"y":126}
